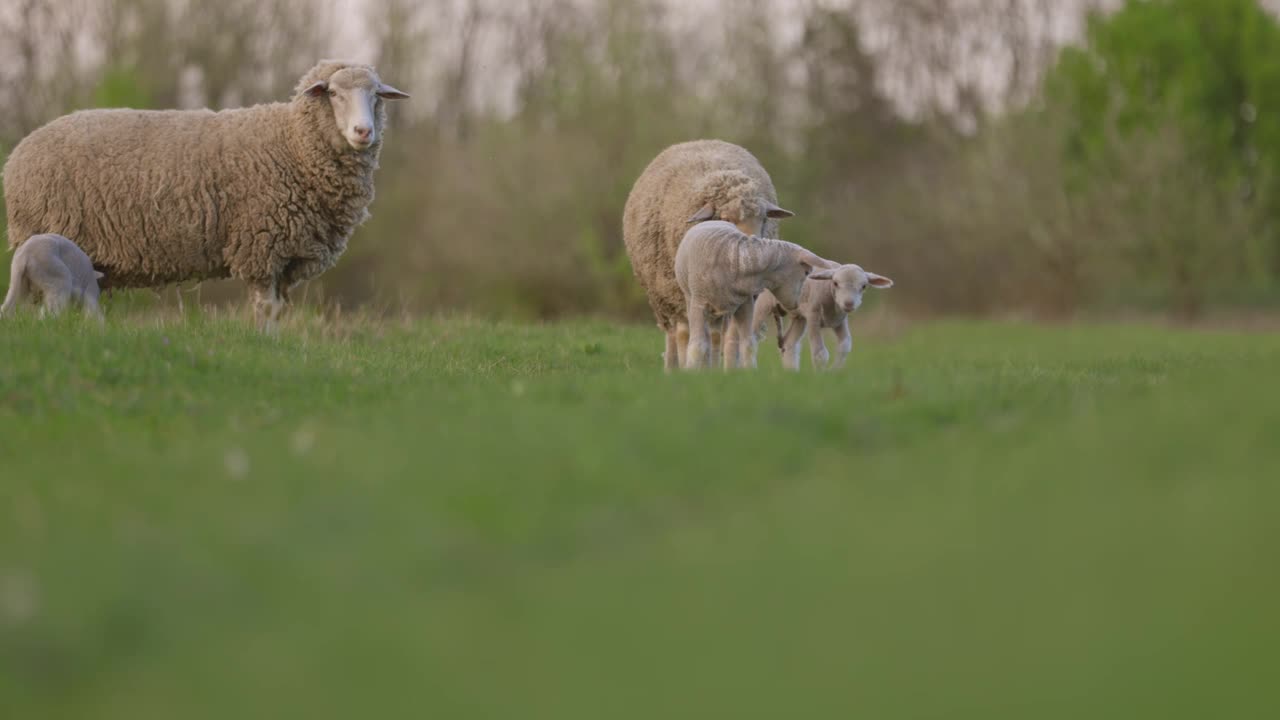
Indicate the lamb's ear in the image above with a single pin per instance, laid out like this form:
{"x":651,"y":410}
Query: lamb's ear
{"x":878,"y":281}
{"x":97,"y":275}
{"x":319,"y":89}
{"x":386,"y":92}
{"x":777,"y":213}
{"x":705,"y":213}
{"x":822,"y":274}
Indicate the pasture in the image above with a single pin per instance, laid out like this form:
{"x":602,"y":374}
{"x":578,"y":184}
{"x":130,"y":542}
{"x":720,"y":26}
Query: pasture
{"x":456,"y":518}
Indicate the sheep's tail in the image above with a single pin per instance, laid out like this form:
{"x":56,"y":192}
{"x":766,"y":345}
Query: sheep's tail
{"x":17,"y":286}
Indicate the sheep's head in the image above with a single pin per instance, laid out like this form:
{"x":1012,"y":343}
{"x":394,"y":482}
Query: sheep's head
{"x":355,"y":95}
{"x":788,"y":278}
{"x":732,"y":196}
{"x":848,"y":283}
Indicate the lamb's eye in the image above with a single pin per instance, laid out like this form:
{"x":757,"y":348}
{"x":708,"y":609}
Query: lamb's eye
{"x":333,"y":93}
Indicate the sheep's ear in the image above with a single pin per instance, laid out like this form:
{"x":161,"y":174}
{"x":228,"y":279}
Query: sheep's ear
{"x":822,"y":274}
{"x":386,"y":92}
{"x":705,"y":213}
{"x":777,"y":213}
{"x":317,"y":89}
{"x":97,"y":275}
{"x":879,"y":281}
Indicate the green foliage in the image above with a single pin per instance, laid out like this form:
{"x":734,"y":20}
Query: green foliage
{"x":121,"y":87}
{"x":1175,"y":106}
{"x":371,"y":520}
{"x":1211,"y":66}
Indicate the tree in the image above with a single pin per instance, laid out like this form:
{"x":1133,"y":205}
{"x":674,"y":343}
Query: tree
{"x":1202,"y":73}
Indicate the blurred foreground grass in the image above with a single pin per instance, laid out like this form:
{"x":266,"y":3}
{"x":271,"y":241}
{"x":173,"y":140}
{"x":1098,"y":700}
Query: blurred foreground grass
{"x":460,"y":519}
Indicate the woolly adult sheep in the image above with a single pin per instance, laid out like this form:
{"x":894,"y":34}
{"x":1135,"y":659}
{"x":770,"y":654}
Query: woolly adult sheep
{"x":721,"y":270}
{"x":267,"y":194}
{"x":688,"y":183}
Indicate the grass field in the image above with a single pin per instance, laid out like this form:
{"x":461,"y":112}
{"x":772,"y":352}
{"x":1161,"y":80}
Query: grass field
{"x":457,"y":519}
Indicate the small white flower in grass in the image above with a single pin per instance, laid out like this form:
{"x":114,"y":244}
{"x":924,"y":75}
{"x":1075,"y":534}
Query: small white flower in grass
{"x":19,"y":598}
{"x":302,"y":441}
{"x":237,"y":463}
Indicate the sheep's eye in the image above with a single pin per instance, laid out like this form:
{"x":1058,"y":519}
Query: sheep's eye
{"x":836,"y":283}
{"x":333,"y":93}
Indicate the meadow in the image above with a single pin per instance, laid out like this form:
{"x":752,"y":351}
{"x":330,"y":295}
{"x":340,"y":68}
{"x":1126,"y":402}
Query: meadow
{"x":457,"y":518}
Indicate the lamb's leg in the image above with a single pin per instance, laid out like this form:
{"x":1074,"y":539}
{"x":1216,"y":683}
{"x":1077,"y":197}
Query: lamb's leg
{"x":17,"y":288}
{"x":698,"y":354}
{"x":740,"y":329}
{"x":267,"y":304}
{"x":791,"y":343}
{"x":671,"y":356}
{"x":56,"y":300}
{"x":55,"y":283}
{"x":846,"y":343}
{"x":818,"y":347}
{"x":90,"y":303}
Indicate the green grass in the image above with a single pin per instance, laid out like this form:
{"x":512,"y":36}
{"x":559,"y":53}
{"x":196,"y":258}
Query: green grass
{"x":458,"y":519}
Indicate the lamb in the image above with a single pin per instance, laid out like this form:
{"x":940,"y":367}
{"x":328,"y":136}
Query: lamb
{"x":825,"y":302}
{"x":58,"y":270}
{"x":721,"y":270}
{"x":688,"y":183}
{"x":268,"y":194}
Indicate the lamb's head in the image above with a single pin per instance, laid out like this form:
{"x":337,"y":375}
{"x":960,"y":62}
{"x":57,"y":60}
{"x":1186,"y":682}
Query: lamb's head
{"x":354,"y":94}
{"x":735,"y":197}
{"x":794,"y":267}
{"x":849,"y":281}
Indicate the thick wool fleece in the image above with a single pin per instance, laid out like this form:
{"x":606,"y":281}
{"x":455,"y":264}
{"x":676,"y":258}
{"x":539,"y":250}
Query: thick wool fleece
{"x":268,"y":194}
{"x":680,"y":181}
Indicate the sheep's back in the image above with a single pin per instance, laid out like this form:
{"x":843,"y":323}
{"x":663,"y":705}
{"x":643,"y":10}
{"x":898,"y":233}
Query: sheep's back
{"x":146,"y":194}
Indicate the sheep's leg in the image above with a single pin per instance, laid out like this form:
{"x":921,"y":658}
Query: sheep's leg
{"x":846,"y":343}
{"x":682,"y":344}
{"x":671,"y":356}
{"x":267,"y":304}
{"x":791,"y":343}
{"x":818,"y":347}
{"x":697,"y":356}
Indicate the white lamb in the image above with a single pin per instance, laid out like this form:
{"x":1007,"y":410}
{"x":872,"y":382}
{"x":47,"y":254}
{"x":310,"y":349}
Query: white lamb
{"x":825,"y":302}
{"x":721,"y":270}
{"x":58,"y":270}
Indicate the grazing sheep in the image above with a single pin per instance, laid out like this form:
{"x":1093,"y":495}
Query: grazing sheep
{"x":825,"y":302}
{"x":268,"y":194}
{"x":720,"y":270}
{"x":58,"y":270}
{"x":687,"y":183}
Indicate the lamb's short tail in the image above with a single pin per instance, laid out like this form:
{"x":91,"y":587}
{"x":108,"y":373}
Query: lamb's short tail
{"x":17,"y":288}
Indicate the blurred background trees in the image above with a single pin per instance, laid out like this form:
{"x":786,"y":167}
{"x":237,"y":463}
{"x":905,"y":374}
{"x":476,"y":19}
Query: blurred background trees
{"x":994,"y":156}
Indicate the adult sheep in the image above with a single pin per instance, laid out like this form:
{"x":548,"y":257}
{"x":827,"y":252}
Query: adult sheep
{"x":689,"y":183}
{"x":267,"y":194}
